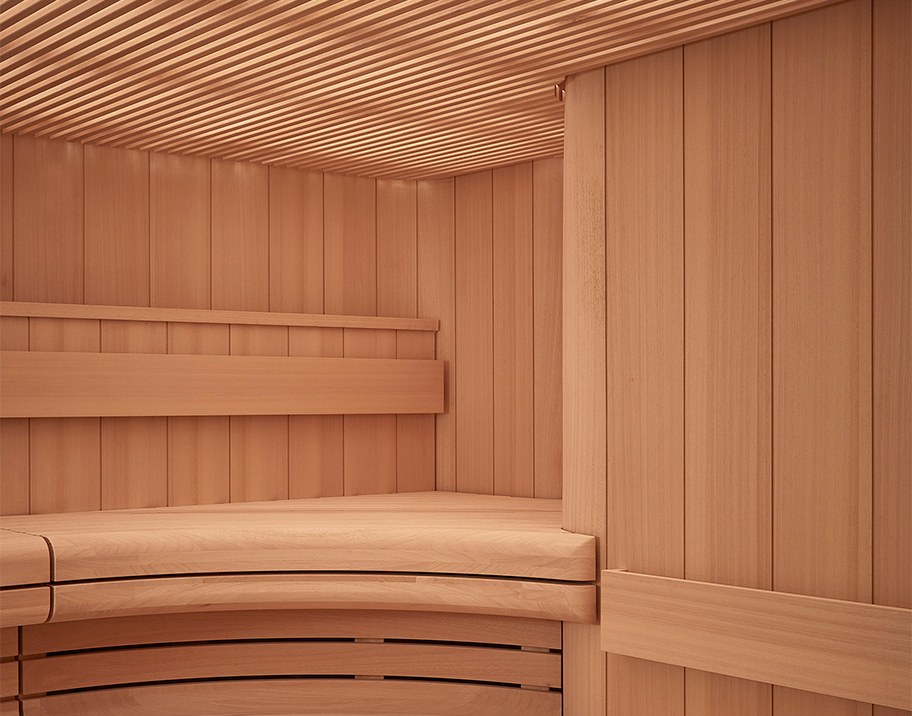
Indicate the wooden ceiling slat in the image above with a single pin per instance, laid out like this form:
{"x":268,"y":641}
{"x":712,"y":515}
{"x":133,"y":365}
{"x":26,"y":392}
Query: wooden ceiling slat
{"x":398,"y":88}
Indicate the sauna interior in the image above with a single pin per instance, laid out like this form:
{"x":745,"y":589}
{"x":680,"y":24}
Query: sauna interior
{"x":432,"y":358}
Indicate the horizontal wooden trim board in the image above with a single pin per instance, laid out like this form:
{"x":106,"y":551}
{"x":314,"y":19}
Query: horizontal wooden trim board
{"x":422,"y":592}
{"x":346,"y":697}
{"x":20,"y":606}
{"x":38,"y":384}
{"x":25,"y":559}
{"x":192,"y":315}
{"x":851,"y":650}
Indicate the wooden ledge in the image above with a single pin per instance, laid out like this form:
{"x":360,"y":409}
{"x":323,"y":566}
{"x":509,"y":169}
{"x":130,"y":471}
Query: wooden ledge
{"x":192,"y":315}
{"x":851,"y":650}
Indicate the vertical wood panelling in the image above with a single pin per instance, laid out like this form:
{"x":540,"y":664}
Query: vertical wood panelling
{"x":134,"y":451}
{"x":240,"y":236}
{"x":48,"y":250}
{"x":295,"y":241}
{"x":259,"y":443}
{"x":514,"y":429}
{"x":369,"y":440}
{"x":822,"y":314}
{"x":179,"y":209}
{"x":397,"y":248}
{"x":727,"y":421}
{"x":69,"y":447}
{"x":547,"y":202}
{"x":892,"y":281}
{"x":475,"y":333}
{"x":116,"y":226}
{"x":349,"y":245}
{"x":645,"y":365}
{"x":583,"y":339}
{"x":414,"y":433}
{"x":315,"y":452}
{"x":198,"y":447}
{"x":14,"y":433}
{"x":437,"y":299}
{"x":6,"y":217}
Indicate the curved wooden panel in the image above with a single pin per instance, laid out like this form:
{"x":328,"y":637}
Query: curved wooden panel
{"x":25,"y":559}
{"x":414,"y":532}
{"x":293,"y":697}
{"x":301,"y":658}
{"x":506,"y":597}
{"x":24,"y":605}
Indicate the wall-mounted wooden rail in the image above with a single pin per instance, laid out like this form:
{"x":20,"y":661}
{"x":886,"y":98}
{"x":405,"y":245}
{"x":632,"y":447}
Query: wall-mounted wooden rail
{"x":66,"y":385}
{"x":190,"y":315}
{"x":846,"y":649}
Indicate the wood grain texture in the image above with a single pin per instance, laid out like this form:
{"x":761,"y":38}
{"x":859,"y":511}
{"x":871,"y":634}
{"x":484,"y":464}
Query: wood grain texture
{"x":65,"y":385}
{"x":320,"y":658}
{"x":295,"y":240}
{"x":9,"y":642}
{"x":70,"y":447}
{"x":397,"y":248}
{"x":584,"y":346}
{"x":728,"y":334}
{"x":822,"y":398}
{"x":840,"y":648}
{"x":25,"y":559}
{"x":892,"y":189}
{"x":245,"y":318}
{"x":415,"y":443}
{"x":437,"y":298}
{"x":350,"y":245}
{"x":514,"y":424}
{"x":6,"y":217}
{"x":179,"y":231}
{"x":24,"y":605}
{"x":240,"y":236}
{"x":645,"y":357}
{"x":48,"y":247}
{"x":315,"y":442}
{"x":134,"y":451}
{"x":344,"y":697}
{"x":547,"y":233}
{"x":9,"y":680}
{"x":9,"y":708}
{"x":475,"y":333}
{"x":116,"y":226}
{"x":466,"y":595}
{"x":369,"y":441}
{"x":279,"y":624}
{"x":14,"y":433}
{"x":198,"y":446}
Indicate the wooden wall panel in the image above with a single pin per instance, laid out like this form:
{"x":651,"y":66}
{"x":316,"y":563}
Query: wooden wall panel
{"x":645,"y":365}
{"x":892,"y":280}
{"x":349,"y":245}
{"x":728,"y":283}
{"x":583,"y":337}
{"x":315,"y":448}
{"x":475,"y":333}
{"x":48,"y":246}
{"x":240,"y":236}
{"x":64,"y":453}
{"x":179,"y":231}
{"x":822,"y":314}
{"x":259,"y":443}
{"x":437,"y":299}
{"x":514,"y":424}
{"x":415,"y":442}
{"x":295,"y":241}
{"x":547,"y":217}
{"x":14,"y":433}
{"x":116,"y":226}
{"x":369,"y":440}
{"x":6,"y":217}
{"x":198,"y":447}
{"x":397,"y":248}
{"x":134,"y":451}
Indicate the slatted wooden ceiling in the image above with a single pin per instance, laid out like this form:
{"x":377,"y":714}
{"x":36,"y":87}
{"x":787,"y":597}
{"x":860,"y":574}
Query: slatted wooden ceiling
{"x":394,"y":88}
